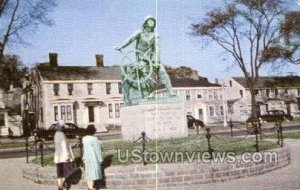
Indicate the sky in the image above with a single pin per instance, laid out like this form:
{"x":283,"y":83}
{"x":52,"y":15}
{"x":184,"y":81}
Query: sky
{"x":83,"y":29}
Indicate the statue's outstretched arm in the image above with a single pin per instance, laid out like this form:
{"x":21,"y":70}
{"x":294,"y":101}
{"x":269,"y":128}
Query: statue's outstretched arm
{"x":129,"y":41}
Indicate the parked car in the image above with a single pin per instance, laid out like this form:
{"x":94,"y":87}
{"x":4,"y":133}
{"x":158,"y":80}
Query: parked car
{"x":70,"y":129}
{"x":276,"y":115}
{"x":191,"y":121}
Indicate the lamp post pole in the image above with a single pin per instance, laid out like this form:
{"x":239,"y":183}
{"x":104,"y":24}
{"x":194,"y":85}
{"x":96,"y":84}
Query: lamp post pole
{"x":224,"y":106}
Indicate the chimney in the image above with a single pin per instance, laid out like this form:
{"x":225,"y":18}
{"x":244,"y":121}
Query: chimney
{"x":99,"y":60}
{"x":53,"y":59}
{"x":216,"y":81}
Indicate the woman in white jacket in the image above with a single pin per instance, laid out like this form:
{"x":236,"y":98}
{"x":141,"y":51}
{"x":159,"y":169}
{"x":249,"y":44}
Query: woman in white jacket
{"x":63,"y":153}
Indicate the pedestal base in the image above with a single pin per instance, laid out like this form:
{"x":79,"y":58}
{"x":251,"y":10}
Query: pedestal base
{"x":158,"y":121}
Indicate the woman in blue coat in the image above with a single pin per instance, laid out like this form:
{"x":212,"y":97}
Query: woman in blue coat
{"x":92,"y":157}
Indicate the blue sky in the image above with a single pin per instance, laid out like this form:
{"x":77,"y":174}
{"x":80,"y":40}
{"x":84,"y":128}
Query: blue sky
{"x":84,"y":28}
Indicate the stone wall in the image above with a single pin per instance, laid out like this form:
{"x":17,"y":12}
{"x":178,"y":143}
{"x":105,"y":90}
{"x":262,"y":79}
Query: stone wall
{"x":167,"y":175}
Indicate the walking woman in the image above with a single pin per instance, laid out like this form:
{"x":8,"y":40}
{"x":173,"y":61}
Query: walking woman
{"x":63,"y":153}
{"x":92,"y":157}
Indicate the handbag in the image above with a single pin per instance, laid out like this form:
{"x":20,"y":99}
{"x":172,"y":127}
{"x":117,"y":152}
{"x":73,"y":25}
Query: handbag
{"x":70,"y":168}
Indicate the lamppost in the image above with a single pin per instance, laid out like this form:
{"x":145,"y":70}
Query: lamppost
{"x":224,"y":106}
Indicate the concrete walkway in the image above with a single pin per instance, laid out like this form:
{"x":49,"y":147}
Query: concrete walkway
{"x":285,"y":178}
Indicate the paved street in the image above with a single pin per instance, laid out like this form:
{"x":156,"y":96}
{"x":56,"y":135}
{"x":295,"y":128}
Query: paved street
{"x":286,"y":178}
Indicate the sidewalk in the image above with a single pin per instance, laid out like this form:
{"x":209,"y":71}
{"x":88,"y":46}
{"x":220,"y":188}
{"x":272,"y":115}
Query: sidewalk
{"x":286,"y":178}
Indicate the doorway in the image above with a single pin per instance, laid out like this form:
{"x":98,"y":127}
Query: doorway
{"x":91,"y":113}
{"x":200,"y":114}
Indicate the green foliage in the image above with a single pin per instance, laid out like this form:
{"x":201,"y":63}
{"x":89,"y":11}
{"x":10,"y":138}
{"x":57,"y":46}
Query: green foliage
{"x":180,"y":72}
{"x":12,"y":71}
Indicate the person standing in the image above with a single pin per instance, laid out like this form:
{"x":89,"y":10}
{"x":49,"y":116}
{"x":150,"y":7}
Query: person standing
{"x":92,"y":157}
{"x":63,"y":154}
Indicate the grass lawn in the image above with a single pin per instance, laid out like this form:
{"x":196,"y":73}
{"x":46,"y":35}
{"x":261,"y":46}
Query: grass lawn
{"x":289,"y":135}
{"x":183,"y":145}
{"x":19,"y":144}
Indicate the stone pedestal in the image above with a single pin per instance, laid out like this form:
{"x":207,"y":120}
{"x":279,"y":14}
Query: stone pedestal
{"x":158,"y":121}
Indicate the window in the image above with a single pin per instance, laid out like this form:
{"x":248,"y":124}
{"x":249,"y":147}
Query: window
{"x":69,"y":113}
{"x":230,"y":108}
{"x":90,"y":88}
{"x":215,"y":95}
{"x":256,"y":91}
{"x":221,"y":110}
{"x":267,"y":92}
{"x":286,"y":91}
{"x":230,"y":83}
{"x":91,"y":113}
{"x":117,"y":110}
{"x":2,"y":120}
{"x":188,"y":95}
{"x":199,"y":96}
{"x":70,"y":89}
{"x":108,"y":88}
{"x":110,"y":110}
{"x":56,"y":89}
{"x":210,"y":95}
{"x":211,"y":111}
{"x":276,"y":92}
{"x":241,"y":93}
{"x":55,"y":113}
{"x":63,"y":112}
{"x":41,"y":114}
{"x":120,"y":87}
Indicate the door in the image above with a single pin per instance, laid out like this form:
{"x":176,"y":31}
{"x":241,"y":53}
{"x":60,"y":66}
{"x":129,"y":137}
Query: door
{"x":91,"y":113}
{"x":200,"y":114}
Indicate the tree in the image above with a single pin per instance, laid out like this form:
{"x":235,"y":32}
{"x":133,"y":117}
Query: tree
{"x":20,"y":17}
{"x":182,"y":72}
{"x":291,"y":30}
{"x":12,"y":72}
{"x":251,"y":32}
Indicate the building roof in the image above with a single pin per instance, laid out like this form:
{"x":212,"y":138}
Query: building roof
{"x":271,"y":82}
{"x":188,"y":82}
{"x":80,"y":73}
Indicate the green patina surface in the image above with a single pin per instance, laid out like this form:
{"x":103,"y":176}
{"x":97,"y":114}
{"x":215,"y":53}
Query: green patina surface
{"x":142,"y":72}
